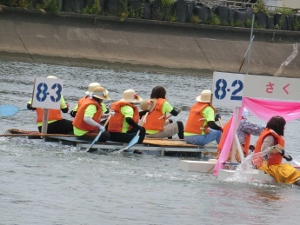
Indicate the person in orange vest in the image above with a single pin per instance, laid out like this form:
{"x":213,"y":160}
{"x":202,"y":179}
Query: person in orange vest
{"x":269,"y":152}
{"x":244,"y":132}
{"x":155,"y":122}
{"x":86,"y":123}
{"x":123,"y":126}
{"x":201,"y":128}
{"x":105,"y":110}
{"x":56,"y":124}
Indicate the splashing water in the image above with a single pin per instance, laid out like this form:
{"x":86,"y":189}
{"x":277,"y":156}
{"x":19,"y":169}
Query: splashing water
{"x":288,"y":60}
{"x":244,"y":172}
{"x":296,"y":162}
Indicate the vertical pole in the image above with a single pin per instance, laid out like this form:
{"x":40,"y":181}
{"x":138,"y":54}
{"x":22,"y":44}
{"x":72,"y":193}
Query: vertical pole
{"x":233,"y":149}
{"x":236,"y":143}
{"x":239,"y":148}
{"x":251,"y":35}
{"x":45,"y":122}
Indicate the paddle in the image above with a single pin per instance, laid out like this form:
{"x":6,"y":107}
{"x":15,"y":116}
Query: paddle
{"x":133,"y":141}
{"x":98,"y":136}
{"x":9,"y":110}
{"x":220,"y":122}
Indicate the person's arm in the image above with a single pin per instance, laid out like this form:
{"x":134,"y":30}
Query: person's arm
{"x":128,"y":113}
{"x":105,"y":110}
{"x":73,"y":113}
{"x":131,"y":122}
{"x":175,"y":112}
{"x":213,"y":125}
{"x":89,"y":114}
{"x":209,"y":115}
{"x":269,"y":148}
{"x":142,"y":113}
{"x":74,"y":110}
{"x":268,"y":144}
{"x":167,"y":107}
{"x":29,"y":107}
{"x":64,"y":107}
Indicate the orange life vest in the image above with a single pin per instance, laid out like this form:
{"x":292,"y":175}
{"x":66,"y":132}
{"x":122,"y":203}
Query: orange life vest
{"x":195,"y":122}
{"x":225,"y":133}
{"x":156,"y":119}
{"x":53,"y":114}
{"x":247,"y":144}
{"x":275,"y":158}
{"x":117,"y":121}
{"x":78,"y":121}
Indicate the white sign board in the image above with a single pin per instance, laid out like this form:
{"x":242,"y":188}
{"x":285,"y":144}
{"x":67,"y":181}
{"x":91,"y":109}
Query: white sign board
{"x":47,"y":93}
{"x":229,"y":88}
{"x":272,"y":87}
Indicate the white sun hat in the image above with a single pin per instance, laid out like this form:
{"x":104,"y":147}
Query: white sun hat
{"x":148,"y":104}
{"x":130,"y":95}
{"x":204,"y":97}
{"x":101,"y":93}
{"x":92,"y":86}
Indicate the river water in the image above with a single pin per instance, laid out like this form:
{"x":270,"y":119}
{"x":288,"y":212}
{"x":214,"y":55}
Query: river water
{"x":43,"y":183}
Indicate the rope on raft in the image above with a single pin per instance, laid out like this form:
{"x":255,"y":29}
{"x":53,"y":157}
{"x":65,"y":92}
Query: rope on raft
{"x":18,"y":133}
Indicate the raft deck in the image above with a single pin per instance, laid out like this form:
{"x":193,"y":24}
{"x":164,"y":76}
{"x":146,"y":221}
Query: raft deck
{"x":161,"y":147}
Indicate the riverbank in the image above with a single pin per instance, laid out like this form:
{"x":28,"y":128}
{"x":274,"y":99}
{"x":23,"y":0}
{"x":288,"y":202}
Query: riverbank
{"x":135,"y":44}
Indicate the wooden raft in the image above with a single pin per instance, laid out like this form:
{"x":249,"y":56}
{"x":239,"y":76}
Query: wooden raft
{"x":168,"y":142}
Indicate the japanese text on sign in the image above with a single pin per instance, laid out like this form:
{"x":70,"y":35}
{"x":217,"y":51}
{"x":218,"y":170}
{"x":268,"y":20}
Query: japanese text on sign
{"x":228,"y":88}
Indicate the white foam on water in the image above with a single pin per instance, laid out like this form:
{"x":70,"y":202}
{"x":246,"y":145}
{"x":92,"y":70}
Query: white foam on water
{"x":243,"y":171}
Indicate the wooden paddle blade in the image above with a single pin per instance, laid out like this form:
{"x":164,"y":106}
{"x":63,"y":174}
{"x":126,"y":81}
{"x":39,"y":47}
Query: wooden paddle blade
{"x":8,"y":110}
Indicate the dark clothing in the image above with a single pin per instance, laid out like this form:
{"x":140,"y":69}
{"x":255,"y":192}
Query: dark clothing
{"x":213,"y":125}
{"x":127,"y":137}
{"x":90,"y":136}
{"x":59,"y":127}
{"x":174,"y":112}
{"x":142,"y":113}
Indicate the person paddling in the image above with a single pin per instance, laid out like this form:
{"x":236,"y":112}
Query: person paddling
{"x":269,"y":152}
{"x":105,"y":110}
{"x":155,"y":122}
{"x":56,"y":123}
{"x":86,"y":123}
{"x":123,"y":126}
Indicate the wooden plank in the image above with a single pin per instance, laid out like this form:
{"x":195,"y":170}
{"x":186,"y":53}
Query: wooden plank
{"x":167,"y":142}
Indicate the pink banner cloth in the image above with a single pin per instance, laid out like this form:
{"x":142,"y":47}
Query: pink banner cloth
{"x":262,"y":109}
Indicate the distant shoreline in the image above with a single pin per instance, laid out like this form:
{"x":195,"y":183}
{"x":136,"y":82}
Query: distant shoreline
{"x":136,"y":44}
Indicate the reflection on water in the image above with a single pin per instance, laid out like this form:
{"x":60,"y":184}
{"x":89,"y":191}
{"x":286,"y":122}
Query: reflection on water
{"x":44,"y":183}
